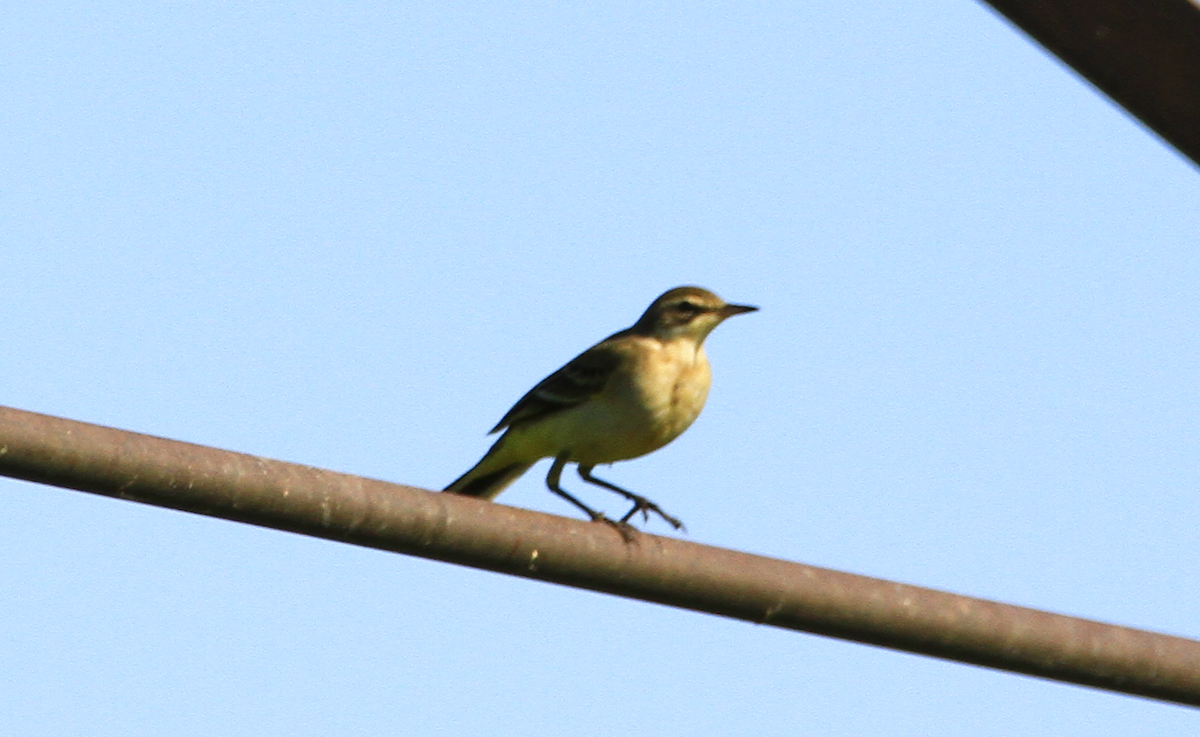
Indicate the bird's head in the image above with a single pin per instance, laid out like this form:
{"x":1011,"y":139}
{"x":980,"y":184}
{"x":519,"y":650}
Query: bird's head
{"x":686,"y":312}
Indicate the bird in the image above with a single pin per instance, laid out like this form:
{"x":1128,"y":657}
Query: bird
{"x":626,"y":396}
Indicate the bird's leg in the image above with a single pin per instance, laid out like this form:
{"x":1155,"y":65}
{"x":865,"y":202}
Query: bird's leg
{"x":640,"y":503}
{"x":552,"y":481}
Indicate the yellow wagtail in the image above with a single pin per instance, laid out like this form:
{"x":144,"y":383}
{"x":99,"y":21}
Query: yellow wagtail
{"x":628,"y":395}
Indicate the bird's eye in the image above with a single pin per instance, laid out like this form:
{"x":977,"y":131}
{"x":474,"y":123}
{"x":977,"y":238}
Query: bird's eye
{"x":687,"y":311}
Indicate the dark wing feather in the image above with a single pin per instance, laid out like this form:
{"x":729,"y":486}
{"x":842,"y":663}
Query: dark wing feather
{"x":580,"y":380}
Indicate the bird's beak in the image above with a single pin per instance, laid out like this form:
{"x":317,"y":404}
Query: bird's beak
{"x":731,"y":310}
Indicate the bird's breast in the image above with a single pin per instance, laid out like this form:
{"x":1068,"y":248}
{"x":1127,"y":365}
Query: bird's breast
{"x":648,"y":405}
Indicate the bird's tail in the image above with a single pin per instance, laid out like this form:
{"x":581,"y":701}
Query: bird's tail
{"x":487,"y":485}
{"x":490,"y":476}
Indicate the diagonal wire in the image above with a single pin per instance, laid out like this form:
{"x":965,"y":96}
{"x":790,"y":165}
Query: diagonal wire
{"x":480,"y":534}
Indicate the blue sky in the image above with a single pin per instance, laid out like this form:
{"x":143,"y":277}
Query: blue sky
{"x":351,"y":235}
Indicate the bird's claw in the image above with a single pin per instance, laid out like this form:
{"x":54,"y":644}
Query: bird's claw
{"x":626,"y":530}
{"x":645,"y":506}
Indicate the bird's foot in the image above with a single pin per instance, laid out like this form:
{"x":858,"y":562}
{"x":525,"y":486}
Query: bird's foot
{"x":645,"y":506}
{"x":626,"y":530}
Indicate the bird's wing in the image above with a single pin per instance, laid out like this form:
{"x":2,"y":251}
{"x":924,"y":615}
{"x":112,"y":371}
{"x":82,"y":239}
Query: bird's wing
{"x":580,"y":380}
